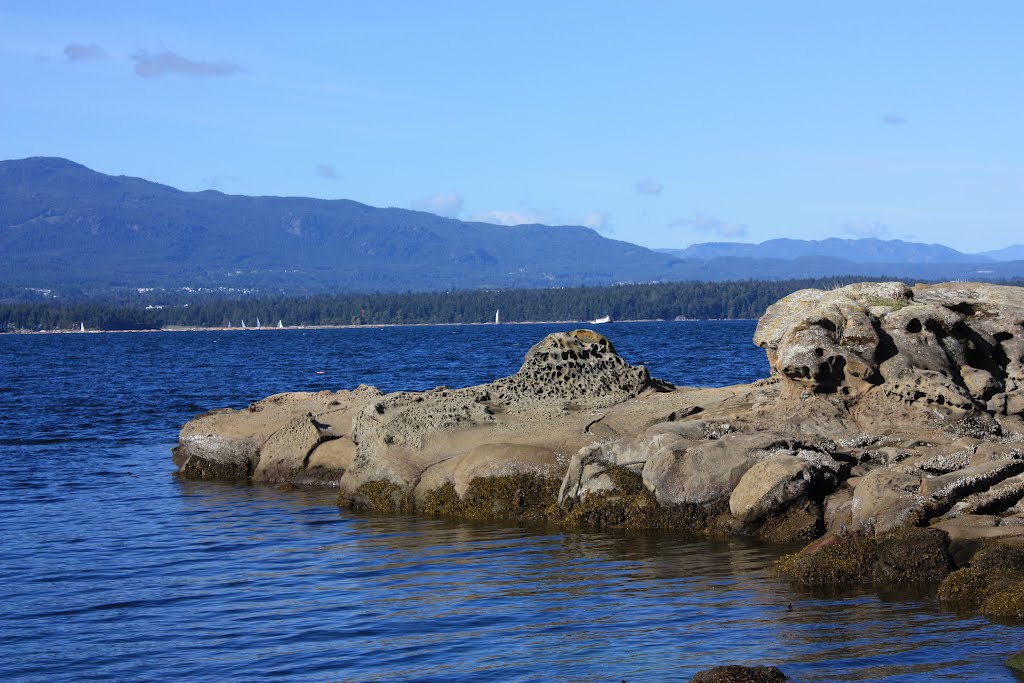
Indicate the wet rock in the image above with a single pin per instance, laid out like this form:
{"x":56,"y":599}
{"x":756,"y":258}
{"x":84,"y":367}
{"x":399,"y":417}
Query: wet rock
{"x":969,"y":588}
{"x":912,"y":555}
{"x":235,"y":468}
{"x":1016,"y":662}
{"x":1007,"y":603}
{"x":379,"y":496}
{"x":796,"y":522}
{"x":627,"y":503}
{"x":908,"y":555}
{"x":835,"y":560}
{"x":740,"y":674}
{"x":999,"y":556}
{"x":208,"y":448}
{"x":993,"y":583}
{"x":525,"y":496}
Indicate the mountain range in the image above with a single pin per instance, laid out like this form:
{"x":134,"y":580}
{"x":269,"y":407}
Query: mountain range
{"x":864,"y":250}
{"x":65,"y":226}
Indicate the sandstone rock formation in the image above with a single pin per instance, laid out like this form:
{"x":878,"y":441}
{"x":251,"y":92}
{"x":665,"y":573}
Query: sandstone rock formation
{"x":888,"y":408}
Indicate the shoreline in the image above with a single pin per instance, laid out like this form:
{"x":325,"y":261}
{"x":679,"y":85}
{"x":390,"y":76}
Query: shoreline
{"x":184,"y":328}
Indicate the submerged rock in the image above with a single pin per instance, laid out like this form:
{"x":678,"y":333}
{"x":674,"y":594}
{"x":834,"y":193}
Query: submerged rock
{"x":1016,"y":662}
{"x":740,"y":674}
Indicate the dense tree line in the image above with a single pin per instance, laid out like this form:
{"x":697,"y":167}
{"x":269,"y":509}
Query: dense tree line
{"x":665,"y":301}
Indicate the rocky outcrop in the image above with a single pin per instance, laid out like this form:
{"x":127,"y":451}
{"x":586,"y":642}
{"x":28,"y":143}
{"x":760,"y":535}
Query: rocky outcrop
{"x":955,"y":346}
{"x":889,"y":409}
{"x":300,"y":435}
{"x":406,"y":449}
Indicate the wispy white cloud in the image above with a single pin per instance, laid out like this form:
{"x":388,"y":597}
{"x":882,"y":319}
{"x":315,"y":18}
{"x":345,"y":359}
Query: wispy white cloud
{"x":865,"y":228}
{"x":79,"y":52}
{"x":894,"y":119}
{"x":327,"y":171}
{"x":599,"y":221}
{"x":220,"y":182}
{"x":167,"y":63}
{"x":648,"y":186}
{"x":717,"y":226}
{"x":514,"y":217}
{"x":448,"y":204}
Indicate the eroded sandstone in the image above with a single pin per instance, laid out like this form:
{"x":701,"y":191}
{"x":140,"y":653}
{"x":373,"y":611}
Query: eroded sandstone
{"x":889,"y":409}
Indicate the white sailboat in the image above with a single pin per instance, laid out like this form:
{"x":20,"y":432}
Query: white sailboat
{"x":280,"y":325}
{"x":82,"y":328}
{"x":258,"y":322}
{"x":497,"y":317}
{"x":243,"y":324}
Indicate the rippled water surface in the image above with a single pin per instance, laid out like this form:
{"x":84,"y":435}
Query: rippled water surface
{"x":112,"y":569}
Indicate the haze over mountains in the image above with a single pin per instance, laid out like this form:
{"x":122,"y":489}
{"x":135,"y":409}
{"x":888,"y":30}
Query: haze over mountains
{"x":865,"y":250}
{"x":63,"y":225}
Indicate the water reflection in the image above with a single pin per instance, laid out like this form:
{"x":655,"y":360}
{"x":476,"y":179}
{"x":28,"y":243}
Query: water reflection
{"x":422,"y":591}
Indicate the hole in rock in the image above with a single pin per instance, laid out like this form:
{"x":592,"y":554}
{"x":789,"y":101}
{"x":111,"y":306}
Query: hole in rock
{"x":913,"y":326}
{"x":963,"y":308}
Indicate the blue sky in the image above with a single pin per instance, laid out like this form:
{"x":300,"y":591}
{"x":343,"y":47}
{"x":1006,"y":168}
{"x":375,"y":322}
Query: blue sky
{"x":659,"y":123}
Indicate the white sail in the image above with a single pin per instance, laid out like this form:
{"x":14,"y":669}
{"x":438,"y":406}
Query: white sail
{"x":82,"y":328}
{"x":243,"y":324}
{"x":497,"y":317}
{"x":280,"y":325}
{"x":258,"y":322}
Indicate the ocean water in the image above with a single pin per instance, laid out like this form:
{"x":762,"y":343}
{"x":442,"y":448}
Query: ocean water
{"x":113,"y":569}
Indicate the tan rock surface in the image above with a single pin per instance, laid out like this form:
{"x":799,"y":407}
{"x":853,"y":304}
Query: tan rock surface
{"x":888,"y":406}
